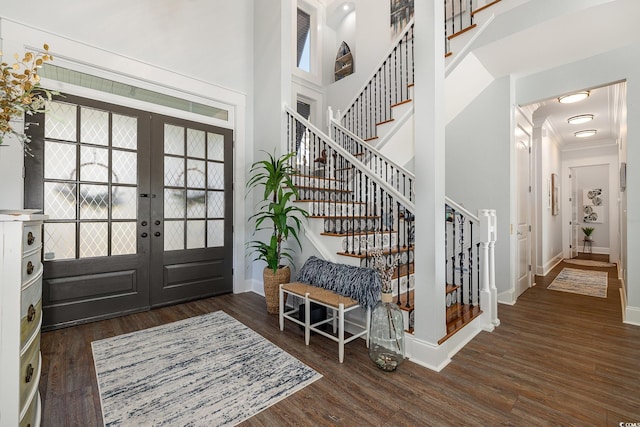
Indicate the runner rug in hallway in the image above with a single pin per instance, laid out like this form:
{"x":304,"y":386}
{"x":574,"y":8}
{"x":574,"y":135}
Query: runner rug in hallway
{"x":589,"y":263}
{"x":585,"y":282}
{"x":206,"y":370}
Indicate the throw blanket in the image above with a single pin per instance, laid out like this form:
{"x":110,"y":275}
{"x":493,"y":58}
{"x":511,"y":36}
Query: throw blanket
{"x":360,"y":283}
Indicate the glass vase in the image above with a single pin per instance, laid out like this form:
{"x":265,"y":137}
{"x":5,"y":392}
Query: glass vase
{"x":386,"y":334}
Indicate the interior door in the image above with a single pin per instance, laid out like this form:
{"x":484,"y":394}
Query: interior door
{"x":523,"y":227}
{"x":97,"y":172}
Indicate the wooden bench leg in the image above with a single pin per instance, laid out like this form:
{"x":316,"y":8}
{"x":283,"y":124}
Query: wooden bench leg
{"x":368,"y":325}
{"x":307,"y":318}
{"x":341,"y":332}
{"x":281,"y":312}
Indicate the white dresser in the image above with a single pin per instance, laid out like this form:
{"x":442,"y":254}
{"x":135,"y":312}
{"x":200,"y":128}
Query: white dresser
{"x":20,"y":319}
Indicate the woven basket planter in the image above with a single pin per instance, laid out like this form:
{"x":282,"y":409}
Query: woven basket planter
{"x":272,"y":283}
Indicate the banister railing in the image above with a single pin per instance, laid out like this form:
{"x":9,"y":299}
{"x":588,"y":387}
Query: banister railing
{"x":379,"y":164}
{"x":469,"y":256}
{"x":389,"y":85}
{"x":355,"y":204}
{"x":458,"y":15}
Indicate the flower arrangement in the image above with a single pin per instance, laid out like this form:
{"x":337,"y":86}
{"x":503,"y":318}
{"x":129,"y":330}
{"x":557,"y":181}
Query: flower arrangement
{"x":20,"y":92}
{"x":385,"y":272}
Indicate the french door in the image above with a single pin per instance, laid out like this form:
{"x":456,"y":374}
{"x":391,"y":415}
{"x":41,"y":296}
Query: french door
{"x":139,"y":206}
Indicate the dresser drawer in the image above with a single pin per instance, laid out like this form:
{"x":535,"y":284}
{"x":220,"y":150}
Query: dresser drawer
{"x":30,"y":309}
{"x":31,"y":237}
{"x":31,"y":416}
{"x":31,"y":266}
{"x":29,"y":370}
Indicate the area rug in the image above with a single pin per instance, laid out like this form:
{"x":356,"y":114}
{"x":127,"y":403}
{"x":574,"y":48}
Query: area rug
{"x":585,"y":282}
{"x":207,"y":370}
{"x":589,"y":263}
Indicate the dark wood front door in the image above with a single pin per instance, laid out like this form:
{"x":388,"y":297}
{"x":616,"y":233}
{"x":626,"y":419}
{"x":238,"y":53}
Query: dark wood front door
{"x":139,"y":206}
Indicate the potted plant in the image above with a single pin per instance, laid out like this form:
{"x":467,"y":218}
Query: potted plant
{"x":587,"y":232}
{"x":277,"y":214}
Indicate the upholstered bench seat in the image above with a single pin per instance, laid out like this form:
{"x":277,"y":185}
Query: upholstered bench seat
{"x":328,"y":284}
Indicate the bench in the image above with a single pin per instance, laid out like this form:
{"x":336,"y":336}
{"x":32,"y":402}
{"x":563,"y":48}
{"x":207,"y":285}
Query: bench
{"x":338,"y":287}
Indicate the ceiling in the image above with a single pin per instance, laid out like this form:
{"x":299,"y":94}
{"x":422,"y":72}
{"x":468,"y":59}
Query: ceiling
{"x":605,"y":105}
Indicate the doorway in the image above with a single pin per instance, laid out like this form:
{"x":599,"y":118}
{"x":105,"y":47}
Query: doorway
{"x":140,"y":209}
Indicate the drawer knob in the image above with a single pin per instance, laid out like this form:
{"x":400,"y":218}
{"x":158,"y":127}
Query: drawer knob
{"x":29,"y":267}
{"x":31,"y":313}
{"x":30,"y":239}
{"x":29,"y":376}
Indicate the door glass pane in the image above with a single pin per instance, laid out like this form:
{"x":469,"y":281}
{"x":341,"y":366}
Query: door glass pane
{"x":173,"y":140}
{"x":125,"y":132}
{"x":94,"y":201}
{"x":59,"y":241}
{"x":195,"y":143}
{"x":174,"y":203}
{"x":215,"y":233}
{"x":94,"y":126}
{"x":215,"y":146}
{"x":124,"y":203}
{"x":195,"y":234}
{"x":60,"y":200}
{"x":93,"y":239}
{"x":60,"y":121}
{"x":123,"y":238}
{"x":195,"y":174}
{"x":215,"y":174}
{"x":94,"y":164}
{"x":173,"y":235}
{"x":59,"y":160}
{"x":215,"y":204}
{"x":173,"y":171}
{"x":124,"y":167}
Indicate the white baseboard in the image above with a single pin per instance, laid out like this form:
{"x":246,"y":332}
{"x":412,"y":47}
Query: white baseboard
{"x":632,"y":316}
{"x":507,"y":297}
{"x":549,"y":265}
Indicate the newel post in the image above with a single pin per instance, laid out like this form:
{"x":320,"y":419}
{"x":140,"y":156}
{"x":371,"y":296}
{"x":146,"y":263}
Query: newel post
{"x":489,"y":292}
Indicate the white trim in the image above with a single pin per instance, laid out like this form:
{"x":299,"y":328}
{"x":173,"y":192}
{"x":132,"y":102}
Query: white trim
{"x":506,"y":297}
{"x":632,"y":316}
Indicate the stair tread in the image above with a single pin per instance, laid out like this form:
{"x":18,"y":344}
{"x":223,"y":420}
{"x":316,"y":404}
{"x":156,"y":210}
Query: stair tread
{"x":305,"y":187}
{"x":336,"y":202}
{"x":314,"y":177}
{"x":384,"y":252}
{"x":450,"y":288}
{"x":344,"y":216}
{"x":466,"y":314}
{"x":464,"y":30}
{"x":402,"y":102}
{"x":486,"y":6}
{"x":357,"y":233}
{"x":403,"y":300}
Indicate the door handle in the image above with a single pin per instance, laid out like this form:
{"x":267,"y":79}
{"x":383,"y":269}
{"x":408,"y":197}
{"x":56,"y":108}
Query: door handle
{"x":157,"y":222}
{"x":153,"y":196}
{"x":144,"y":223}
{"x":144,"y":235}
{"x":157,"y":234}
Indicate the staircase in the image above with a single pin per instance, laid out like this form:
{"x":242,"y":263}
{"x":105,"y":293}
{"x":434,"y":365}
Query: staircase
{"x":359,"y":200}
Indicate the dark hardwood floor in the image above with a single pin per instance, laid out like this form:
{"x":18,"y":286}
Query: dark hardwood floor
{"x":556,"y":359}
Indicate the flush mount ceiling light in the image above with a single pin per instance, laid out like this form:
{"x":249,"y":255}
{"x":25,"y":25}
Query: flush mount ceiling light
{"x":583,"y":118}
{"x":585,"y":133}
{"x":346,"y":6}
{"x":574,"y":97}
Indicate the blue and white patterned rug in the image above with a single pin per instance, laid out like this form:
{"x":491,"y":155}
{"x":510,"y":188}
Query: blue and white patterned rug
{"x":207,"y":370}
{"x":585,"y":282}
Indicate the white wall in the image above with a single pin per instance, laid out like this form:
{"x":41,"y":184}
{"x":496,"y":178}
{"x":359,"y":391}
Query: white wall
{"x":588,"y":178}
{"x":616,"y":65}
{"x":370,"y":41}
{"x":478,"y":147}
{"x":550,"y":226}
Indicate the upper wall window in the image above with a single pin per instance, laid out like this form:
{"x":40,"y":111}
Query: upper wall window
{"x":303,"y":41}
